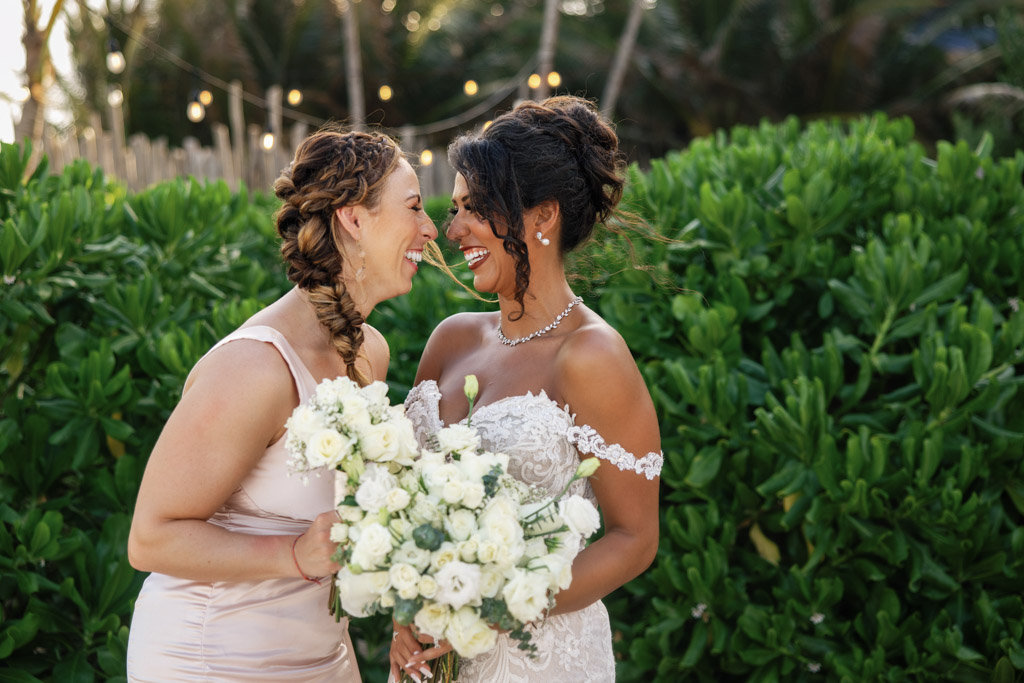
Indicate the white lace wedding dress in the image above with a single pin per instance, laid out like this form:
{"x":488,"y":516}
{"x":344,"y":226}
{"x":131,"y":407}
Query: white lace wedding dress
{"x":541,"y":439}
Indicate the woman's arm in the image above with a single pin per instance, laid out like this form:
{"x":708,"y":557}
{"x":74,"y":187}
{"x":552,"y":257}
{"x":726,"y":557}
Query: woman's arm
{"x":601,"y":383}
{"x":234,"y":407}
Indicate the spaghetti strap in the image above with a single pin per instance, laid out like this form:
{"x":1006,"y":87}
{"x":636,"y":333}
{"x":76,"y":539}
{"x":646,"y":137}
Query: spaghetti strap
{"x":304,"y":381}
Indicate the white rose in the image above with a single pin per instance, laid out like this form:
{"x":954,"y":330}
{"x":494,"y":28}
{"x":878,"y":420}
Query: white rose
{"x":526,"y":595}
{"x":452,"y":491}
{"x":487,"y":551}
{"x":427,"y":587}
{"x":405,"y":437}
{"x":379,"y":442}
{"x":409,"y":481}
{"x":424,"y":511}
{"x":557,"y":569}
{"x":491,"y":581}
{"x":458,"y":584}
{"x":580,"y":515}
{"x":339,"y":532}
{"x":327,"y":448}
{"x":509,"y":555}
{"x":433,"y":619}
{"x":387,"y":600}
{"x":458,"y":438}
{"x":460,"y":524}
{"x":568,"y":545}
{"x":412,"y":554}
{"x":354,"y":413}
{"x":443,"y":555}
{"x":543,"y":523}
{"x":499,"y":523}
{"x":435,"y":476}
{"x":373,"y":546}
{"x":404,"y":575}
{"x":470,"y":635}
{"x":402,"y":527}
{"x":350,"y":513}
{"x":332,"y":390}
{"x":397,"y":499}
{"x":304,"y":422}
{"x":472,"y":494}
{"x":359,"y":591}
{"x":535,"y":547}
{"x":467,"y":550}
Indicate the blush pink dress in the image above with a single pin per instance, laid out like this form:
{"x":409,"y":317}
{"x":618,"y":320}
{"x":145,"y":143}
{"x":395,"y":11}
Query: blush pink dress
{"x":274,"y":630}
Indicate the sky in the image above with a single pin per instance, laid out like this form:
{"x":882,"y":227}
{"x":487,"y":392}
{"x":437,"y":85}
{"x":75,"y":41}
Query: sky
{"x":12,"y":62}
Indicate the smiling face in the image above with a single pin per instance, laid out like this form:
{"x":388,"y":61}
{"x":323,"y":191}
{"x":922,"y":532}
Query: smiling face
{"x":493,"y":268}
{"x":393,"y":235}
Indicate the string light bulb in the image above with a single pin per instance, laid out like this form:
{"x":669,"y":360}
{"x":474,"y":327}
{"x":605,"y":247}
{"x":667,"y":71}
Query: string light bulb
{"x":426,"y":157}
{"x":534,"y":81}
{"x":23,"y":94}
{"x":385,"y":93}
{"x":115,"y":97}
{"x":471,"y":88}
{"x":205,"y":97}
{"x":267,"y":141}
{"x":487,"y":124}
{"x":115,"y":58}
{"x":195,"y":111}
{"x":554,"y":79}
{"x":294,"y":97}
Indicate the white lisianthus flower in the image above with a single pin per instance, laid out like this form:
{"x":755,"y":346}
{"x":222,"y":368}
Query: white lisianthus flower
{"x":580,"y":515}
{"x":467,"y":550}
{"x":526,"y":595}
{"x":472,"y":494}
{"x":397,"y":499}
{"x":304,"y":422}
{"x":326,"y":448}
{"x":547,"y":521}
{"x":412,"y":554}
{"x":376,"y":393}
{"x":339,"y":532}
{"x":408,"y":480}
{"x":379,"y":442}
{"x":557,"y":569}
{"x":373,"y":546}
{"x":435,"y":476}
{"x":405,"y":438}
{"x":487,"y":551}
{"x":492,"y":580}
{"x":402,"y":527}
{"x":354,"y":413}
{"x":470,"y":635}
{"x":445,"y":554}
{"x":587,"y":467}
{"x":509,"y":555}
{"x":458,"y":438}
{"x":458,"y":584}
{"x":500,"y":523}
{"x":452,"y":491}
{"x":359,"y":591}
{"x":433,"y":619}
{"x":387,"y":600}
{"x":460,"y":524}
{"x":427,"y":587}
{"x":534,"y":548}
{"x":372,"y":494}
{"x":568,"y":545}
{"x":405,"y":579}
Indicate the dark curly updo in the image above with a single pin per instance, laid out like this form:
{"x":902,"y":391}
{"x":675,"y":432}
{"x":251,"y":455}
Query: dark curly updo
{"x":558,"y":149}
{"x":331,"y":169}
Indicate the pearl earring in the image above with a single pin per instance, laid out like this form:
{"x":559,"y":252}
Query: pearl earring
{"x":543,"y":240}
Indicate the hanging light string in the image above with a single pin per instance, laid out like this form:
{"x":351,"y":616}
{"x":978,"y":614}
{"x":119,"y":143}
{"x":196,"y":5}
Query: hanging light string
{"x":510,"y":86}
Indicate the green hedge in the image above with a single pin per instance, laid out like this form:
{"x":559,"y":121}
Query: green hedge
{"x":838,"y":381}
{"x":832,"y":341}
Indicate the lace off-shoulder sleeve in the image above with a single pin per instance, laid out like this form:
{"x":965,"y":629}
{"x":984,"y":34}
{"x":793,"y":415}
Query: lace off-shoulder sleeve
{"x":587,"y":440}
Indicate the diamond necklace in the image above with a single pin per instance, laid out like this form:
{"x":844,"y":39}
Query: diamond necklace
{"x":544,"y":330}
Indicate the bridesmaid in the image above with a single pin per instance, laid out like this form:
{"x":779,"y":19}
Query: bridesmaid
{"x":240,"y":553}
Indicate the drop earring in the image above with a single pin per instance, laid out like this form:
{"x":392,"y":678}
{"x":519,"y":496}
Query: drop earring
{"x":361,"y":273}
{"x":542,"y":239}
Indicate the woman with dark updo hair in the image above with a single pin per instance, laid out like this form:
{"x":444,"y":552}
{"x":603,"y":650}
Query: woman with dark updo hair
{"x":557,"y":383}
{"x":241,"y":552}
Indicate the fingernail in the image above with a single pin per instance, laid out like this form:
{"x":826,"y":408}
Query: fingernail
{"x":415,"y":678}
{"x":426,"y":672}
{"x":415,"y":652}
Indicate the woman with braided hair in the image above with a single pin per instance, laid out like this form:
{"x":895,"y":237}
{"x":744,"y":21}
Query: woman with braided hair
{"x":239,"y":552}
{"x":556,"y":383}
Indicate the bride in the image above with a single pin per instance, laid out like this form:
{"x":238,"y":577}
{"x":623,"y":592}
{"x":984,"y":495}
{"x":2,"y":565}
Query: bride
{"x":557,"y":383}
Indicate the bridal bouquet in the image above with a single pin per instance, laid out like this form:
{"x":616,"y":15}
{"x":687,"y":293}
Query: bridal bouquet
{"x":456,"y":545}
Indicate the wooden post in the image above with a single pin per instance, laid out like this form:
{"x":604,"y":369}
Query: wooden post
{"x":548,"y":38}
{"x":353,"y":66}
{"x":222,"y":152}
{"x":117,"y":142}
{"x":238,"y":141}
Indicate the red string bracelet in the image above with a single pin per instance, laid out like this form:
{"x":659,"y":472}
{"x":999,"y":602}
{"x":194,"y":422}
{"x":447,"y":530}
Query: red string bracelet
{"x":311,"y":579}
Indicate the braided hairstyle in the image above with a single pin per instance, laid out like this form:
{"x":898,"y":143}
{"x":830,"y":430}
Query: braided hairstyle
{"x":558,"y":149}
{"x":331,"y":169}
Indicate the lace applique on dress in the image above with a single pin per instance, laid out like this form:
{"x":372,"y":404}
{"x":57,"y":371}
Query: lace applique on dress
{"x":587,"y":440}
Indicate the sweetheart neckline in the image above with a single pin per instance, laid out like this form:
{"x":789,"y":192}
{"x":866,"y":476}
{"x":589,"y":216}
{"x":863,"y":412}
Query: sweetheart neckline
{"x":543,"y":395}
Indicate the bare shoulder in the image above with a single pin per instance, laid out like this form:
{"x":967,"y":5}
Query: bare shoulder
{"x":454,"y":336}
{"x":594,"y":353}
{"x":377,"y":351}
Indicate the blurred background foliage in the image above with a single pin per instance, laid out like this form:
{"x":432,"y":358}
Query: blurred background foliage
{"x":953,"y":66}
